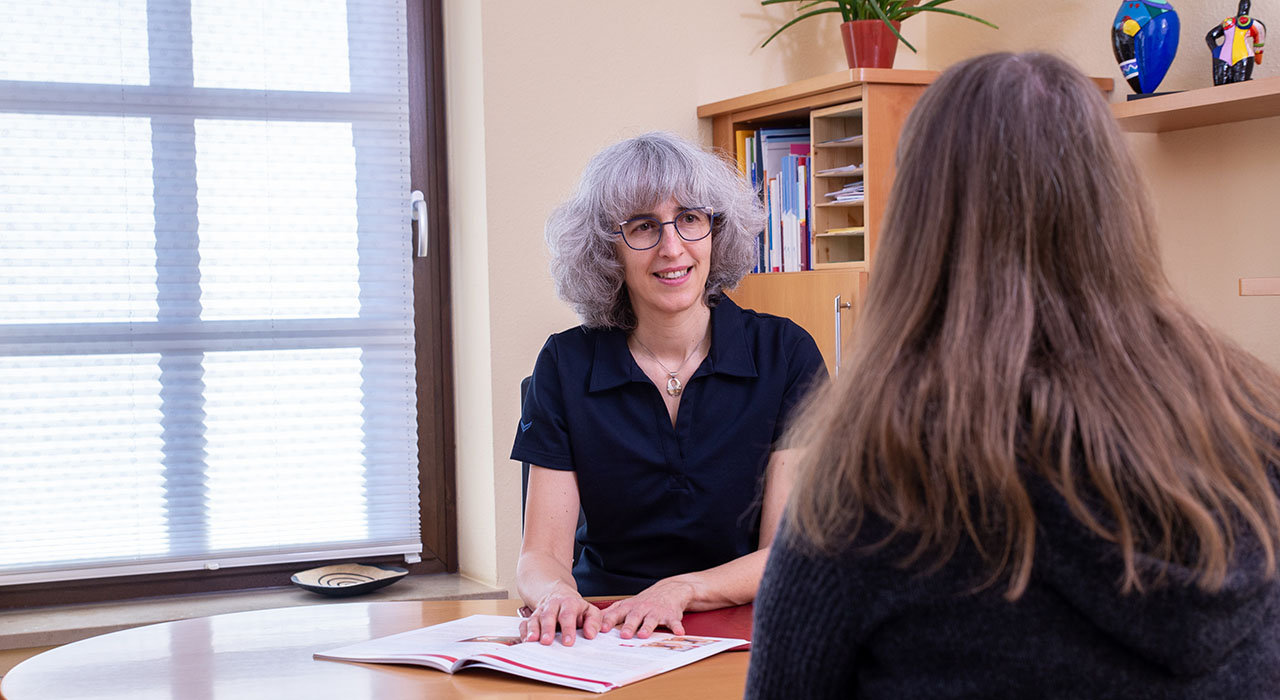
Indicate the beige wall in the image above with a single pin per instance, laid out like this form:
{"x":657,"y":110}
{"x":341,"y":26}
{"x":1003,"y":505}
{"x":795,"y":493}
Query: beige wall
{"x":1080,"y":30}
{"x":535,"y":88}
{"x":1215,"y":196}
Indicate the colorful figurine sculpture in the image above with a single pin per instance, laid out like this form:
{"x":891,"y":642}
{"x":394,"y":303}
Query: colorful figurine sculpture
{"x":1236,"y":45}
{"x":1145,"y":38}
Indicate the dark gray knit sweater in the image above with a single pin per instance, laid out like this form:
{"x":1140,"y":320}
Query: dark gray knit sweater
{"x":857,"y":626}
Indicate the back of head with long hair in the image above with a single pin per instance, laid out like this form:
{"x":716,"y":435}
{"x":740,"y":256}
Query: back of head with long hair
{"x":1018,"y":325}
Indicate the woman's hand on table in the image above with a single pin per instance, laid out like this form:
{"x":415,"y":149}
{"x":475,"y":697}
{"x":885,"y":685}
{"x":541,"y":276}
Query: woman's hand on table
{"x":662,"y":604}
{"x":562,"y":608}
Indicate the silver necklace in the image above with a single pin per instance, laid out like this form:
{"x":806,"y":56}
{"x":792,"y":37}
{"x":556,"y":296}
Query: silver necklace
{"x":674,"y":387}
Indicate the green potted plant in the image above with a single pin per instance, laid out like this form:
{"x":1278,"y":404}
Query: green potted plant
{"x":870,"y":28}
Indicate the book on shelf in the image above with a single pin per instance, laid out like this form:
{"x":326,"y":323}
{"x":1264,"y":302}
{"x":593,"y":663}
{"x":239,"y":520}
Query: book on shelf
{"x":794,"y":217}
{"x":745,"y":154}
{"x":741,"y":137}
{"x":762,"y":250}
{"x":806,"y":241}
{"x":774,"y":143}
{"x":766,"y":237}
{"x":788,"y":220}
{"x":493,"y":642}
{"x":774,"y":228}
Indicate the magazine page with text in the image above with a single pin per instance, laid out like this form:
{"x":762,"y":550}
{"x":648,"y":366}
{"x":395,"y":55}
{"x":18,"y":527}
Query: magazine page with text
{"x":492,"y":641}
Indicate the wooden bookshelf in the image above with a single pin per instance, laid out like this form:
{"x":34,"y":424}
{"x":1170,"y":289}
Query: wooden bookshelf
{"x":876,"y":99}
{"x":1220,"y":104}
{"x":870,"y":103}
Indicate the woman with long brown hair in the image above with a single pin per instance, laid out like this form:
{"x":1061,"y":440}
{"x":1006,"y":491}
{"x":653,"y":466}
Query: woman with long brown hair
{"x":1039,"y":475}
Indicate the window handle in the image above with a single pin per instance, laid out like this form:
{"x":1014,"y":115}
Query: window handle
{"x":418,"y":212}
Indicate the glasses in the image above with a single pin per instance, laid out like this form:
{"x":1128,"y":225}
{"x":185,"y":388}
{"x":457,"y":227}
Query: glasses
{"x":645,"y":232}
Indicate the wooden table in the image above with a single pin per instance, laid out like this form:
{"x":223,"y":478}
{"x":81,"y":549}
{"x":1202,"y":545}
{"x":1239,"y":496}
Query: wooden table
{"x":267,"y":654}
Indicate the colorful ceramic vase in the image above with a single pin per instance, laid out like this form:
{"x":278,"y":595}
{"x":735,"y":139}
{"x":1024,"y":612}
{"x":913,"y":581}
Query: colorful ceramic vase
{"x":1145,"y":38}
{"x":1236,"y":45}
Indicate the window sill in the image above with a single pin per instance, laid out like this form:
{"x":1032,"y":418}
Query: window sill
{"x":51,"y":626}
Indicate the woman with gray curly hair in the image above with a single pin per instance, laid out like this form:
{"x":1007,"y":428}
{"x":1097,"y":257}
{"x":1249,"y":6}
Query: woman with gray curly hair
{"x":658,"y":416}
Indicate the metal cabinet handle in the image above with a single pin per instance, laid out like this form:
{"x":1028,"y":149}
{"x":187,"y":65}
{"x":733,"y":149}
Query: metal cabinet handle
{"x":839,"y":331}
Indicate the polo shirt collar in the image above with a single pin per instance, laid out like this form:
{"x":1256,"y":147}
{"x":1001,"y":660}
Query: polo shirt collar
{"x":730,"y":353}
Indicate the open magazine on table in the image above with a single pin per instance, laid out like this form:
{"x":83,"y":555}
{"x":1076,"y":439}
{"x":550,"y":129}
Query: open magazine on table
{"x":493,"y":642}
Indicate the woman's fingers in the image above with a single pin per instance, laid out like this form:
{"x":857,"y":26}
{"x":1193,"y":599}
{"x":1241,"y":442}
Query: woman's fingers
{"x":547,"y":623}
{"x":565,"y":614}
{"x":568,"y":620}
{"x":640,"y":619}
{"x":647,"y":625}
{"x":629,"y":626}
{"x":530,"y":628}
{"x":541,"y":625}
{"x":616,"y":615}
{"x":592,"y":619}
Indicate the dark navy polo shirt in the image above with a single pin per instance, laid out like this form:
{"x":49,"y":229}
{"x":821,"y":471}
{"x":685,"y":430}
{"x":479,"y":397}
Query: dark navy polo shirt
{"x":662,"y":500}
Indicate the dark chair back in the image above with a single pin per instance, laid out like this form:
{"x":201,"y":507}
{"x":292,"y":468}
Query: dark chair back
{"x":524,"y":482}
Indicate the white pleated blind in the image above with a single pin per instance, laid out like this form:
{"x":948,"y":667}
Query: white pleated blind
{"x":206,"y":312}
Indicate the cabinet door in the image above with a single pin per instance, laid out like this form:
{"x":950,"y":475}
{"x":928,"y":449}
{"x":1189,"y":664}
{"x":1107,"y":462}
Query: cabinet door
{"x":810,"y":299}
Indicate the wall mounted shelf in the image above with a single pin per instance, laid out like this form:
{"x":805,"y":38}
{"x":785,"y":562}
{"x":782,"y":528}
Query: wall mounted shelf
{"x":1221,"y":104}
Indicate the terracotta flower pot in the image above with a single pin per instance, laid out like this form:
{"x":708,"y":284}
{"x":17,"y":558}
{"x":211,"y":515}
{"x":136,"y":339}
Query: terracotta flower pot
{"x":868,"y":43}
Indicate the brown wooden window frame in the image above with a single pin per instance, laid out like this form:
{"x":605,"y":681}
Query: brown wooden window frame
{"x":434,"y":364}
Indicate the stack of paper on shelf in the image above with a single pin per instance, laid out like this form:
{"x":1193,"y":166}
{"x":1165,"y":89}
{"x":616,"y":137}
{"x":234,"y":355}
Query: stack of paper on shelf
{"x":854,"y":140}
{"x":851,"y":192}
{"x":851,"y":169}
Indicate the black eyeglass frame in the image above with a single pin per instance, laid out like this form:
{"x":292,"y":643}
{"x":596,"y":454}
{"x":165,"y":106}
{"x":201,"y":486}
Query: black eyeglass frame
{"x":711,"y":213}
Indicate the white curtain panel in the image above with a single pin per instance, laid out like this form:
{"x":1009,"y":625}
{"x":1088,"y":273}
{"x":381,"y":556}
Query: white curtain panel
{"x":206,"y":310}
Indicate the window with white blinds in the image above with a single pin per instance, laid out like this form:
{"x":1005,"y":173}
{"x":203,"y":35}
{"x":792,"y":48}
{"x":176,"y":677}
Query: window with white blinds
{"x":206,"y":309}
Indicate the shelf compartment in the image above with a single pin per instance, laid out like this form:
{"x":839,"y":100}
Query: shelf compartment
{"x":849,"y":174}
{"x":840,"y":205}
{"x":845,"y":142}
{"x":838,"y":249}
{"x":856,"y":265}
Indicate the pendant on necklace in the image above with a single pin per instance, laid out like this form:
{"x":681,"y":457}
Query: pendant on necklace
{"x":673,"y":386}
